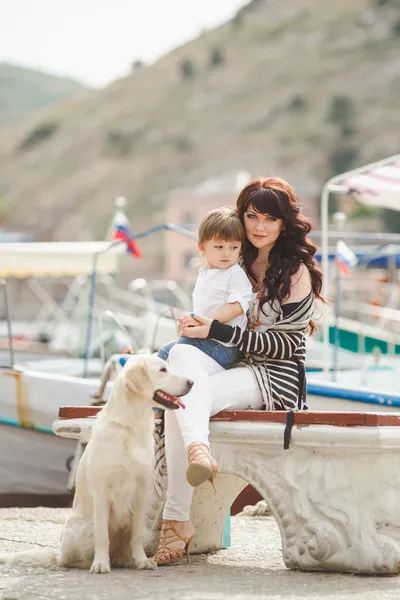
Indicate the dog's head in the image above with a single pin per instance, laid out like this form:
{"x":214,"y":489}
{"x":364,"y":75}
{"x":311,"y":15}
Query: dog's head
{"x":149,"y":376}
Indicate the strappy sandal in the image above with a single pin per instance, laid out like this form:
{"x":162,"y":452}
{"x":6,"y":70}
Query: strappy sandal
{"x":202,"y":466}
{"x":165,"y":554}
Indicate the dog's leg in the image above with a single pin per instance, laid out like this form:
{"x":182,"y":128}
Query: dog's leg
{"x":137,"y":532}
{"x":101,"y":510}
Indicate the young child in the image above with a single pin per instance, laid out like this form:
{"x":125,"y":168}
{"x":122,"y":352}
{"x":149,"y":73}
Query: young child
{"x":222,"y":290}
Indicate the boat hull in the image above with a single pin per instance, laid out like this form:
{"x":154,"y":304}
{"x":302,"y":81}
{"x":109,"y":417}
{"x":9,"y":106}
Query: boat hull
{"x":33,"y":468}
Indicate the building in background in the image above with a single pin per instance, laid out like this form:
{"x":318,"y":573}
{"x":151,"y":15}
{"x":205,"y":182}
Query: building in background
{"x":187,"y":207}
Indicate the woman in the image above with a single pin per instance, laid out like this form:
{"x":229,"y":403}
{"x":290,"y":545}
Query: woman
{"x":279,"y":262}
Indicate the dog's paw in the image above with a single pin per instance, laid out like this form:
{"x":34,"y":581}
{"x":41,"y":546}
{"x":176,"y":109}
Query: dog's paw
{"x":100,"y":566}
{"x":148,"y":563}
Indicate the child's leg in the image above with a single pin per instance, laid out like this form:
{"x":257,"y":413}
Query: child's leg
{"x":223,"y":355}
{"x":164,"y":350}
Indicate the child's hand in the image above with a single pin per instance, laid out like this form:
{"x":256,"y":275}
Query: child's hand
{"x":200,"y":331}
{"x":187,"y":321}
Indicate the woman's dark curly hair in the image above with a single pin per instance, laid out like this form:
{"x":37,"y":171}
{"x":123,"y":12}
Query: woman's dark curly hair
{"x":275,"y":197}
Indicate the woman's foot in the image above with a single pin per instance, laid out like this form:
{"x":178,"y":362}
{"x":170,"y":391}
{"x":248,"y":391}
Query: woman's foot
{"x":175,"y":539}
{"x":202,"y":466}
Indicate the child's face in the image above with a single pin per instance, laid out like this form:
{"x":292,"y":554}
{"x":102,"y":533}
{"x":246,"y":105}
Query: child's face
{"x":220,"y":254}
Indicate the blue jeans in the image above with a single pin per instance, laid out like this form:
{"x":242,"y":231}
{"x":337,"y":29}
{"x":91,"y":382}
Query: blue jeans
{"x":223,"y":355}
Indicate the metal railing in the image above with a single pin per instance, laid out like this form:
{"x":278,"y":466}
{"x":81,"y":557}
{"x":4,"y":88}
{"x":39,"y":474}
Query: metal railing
{"x":3,"y":284}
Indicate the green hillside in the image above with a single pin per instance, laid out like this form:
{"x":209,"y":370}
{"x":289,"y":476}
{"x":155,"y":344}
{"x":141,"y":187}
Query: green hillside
{"x":22,"y":91}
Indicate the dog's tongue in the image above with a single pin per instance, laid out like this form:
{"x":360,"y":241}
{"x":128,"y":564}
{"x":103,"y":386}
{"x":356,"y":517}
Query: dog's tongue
{"x":181,"y":403}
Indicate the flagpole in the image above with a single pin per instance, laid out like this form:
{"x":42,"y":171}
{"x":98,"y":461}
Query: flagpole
{"x":119,"y":204}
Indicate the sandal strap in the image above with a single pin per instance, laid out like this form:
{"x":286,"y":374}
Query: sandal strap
{"x":176,"y":537}
{"x":198,"y":452}
{"x":165,"y":553}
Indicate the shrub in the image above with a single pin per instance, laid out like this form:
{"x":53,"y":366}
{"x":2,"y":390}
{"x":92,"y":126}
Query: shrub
{"x":342,"y":160}
{"x":121,"y":144}
{"x":41,"y":132}
{"x":342,"y":113}
{"x":347,"y":130}
{"x":137,"y":64}
{"x":396,"y":29}
{"x":182,"y":144}
{"x":216,"y":57}
{"x":391,"y":220}
{"x":341,"y":110}
{"x":297,"y":102}
{"x":187,"y":68}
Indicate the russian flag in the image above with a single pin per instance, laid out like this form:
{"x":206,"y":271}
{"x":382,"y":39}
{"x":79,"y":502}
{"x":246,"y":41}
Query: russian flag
{"x":345,"y":257}
{"x":122,"y":231}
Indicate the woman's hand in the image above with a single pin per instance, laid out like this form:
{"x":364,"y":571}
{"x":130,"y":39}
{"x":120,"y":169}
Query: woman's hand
{"x":200,"y":330}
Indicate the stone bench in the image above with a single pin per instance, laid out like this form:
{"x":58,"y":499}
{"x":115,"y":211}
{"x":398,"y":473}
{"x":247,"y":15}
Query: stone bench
{"x":334,"y":491}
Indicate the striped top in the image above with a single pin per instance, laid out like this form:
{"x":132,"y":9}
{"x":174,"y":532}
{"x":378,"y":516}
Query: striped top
{"x":277,"y":355}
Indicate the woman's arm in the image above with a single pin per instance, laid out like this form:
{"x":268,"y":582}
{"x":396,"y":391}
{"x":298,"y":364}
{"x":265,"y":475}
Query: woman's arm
{"x":226,"y":313}
{"x":272,"y":343}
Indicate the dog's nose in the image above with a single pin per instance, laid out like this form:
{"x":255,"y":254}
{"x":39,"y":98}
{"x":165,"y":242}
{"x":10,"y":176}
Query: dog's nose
{"x":190,"y":382}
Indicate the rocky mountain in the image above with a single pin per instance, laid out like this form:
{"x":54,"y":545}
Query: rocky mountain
{"x":303,"y":89}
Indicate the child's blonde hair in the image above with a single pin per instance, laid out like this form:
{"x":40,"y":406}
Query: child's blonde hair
{"x":222,"y":224}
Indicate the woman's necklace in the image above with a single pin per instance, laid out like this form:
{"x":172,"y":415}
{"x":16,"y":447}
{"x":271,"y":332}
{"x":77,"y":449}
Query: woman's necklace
{"x":253,"y":321}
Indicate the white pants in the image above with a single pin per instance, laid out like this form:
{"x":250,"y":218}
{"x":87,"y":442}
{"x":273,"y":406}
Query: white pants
{"x":214,"y":389}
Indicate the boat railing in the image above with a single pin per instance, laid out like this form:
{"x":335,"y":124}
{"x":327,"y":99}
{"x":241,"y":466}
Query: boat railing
{"x":363,"y":330}
{"x":380,"y":313}
{"x":117,"y":321}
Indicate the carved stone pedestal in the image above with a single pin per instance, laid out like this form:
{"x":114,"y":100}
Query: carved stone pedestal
{"x":334,"y":493}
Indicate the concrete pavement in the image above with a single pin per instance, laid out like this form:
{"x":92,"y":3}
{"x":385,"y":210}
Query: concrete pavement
{"x":251,"y":569}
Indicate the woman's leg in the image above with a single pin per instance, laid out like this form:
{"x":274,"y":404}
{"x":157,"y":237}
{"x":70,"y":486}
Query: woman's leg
{"x":196,"y":365}
{"x":235,"y":389}
{"x":215,"y":389}
{"x":182,"y":427}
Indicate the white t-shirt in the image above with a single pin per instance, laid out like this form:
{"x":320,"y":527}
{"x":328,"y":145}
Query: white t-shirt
{"x":216,"y":287}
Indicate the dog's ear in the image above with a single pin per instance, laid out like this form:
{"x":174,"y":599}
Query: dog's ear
{"x":136,"y":377}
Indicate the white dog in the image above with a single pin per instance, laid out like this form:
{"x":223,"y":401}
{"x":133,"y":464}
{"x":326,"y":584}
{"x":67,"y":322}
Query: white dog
{"x":106,"y":525}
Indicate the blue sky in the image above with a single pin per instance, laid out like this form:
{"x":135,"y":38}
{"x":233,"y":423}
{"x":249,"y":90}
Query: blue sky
{"x":96,"y":41}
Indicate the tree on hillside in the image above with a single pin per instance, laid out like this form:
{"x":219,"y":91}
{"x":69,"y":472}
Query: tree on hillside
{"x":216,"y":57}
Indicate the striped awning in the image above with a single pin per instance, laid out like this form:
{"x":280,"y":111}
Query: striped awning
{"x":377,"y":184}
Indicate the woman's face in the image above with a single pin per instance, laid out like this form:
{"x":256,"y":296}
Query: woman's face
{"x":262,"y":230}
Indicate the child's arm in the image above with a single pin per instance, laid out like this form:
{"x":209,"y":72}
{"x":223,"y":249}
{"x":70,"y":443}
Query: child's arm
{"x":228,"y":312}
{"x":239,"y":296}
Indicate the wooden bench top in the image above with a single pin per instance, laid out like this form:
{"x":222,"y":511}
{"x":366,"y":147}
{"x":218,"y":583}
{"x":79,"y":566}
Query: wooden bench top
{"x":343,"y":419}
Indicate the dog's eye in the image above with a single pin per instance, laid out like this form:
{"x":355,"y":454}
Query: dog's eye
{"x":163,"y":370}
